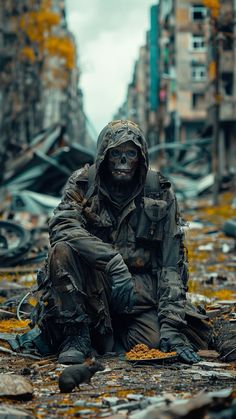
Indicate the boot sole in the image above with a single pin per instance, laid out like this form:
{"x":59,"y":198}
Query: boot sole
{"x":73,"y":359}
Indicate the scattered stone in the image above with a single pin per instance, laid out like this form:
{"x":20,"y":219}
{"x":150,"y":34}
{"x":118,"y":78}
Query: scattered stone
{"x":110,"y":401}
{"x":84,"y":403}
{"x":105,"y":371}
{"x":83,"y":412}
{"x":130,"y":406}
{"x":211,"y":374}
{"x":210,"y":365}
{"x":135,"y":396}
{"x":206,"y":247}
{"x":80,"y":403}
{"x":15,"y":386}
{"x":8,"y":412}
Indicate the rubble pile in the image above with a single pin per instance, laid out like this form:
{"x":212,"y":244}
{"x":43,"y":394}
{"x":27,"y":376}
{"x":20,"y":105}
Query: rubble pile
{"x":137,"y":388}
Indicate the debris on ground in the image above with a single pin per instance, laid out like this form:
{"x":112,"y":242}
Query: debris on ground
{"x":141,"y":388}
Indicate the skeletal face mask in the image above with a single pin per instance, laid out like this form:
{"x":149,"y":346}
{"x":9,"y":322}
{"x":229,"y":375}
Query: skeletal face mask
{"x":123,"y":161}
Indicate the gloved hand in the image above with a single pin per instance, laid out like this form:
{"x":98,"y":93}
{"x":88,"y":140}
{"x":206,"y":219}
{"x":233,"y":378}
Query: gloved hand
{"x":185,"y":352}
{"x":122,"y":298}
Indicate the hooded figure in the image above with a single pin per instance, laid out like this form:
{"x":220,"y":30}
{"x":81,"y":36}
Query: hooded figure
{"x":116,"y":271}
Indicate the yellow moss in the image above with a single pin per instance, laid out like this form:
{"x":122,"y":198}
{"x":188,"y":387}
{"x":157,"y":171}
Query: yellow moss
{"x":28,"y":53}
{"x":2,"y":299}
{"x":224,"y":294}
{"x":209,"y":291}
{"x":9,"y":326}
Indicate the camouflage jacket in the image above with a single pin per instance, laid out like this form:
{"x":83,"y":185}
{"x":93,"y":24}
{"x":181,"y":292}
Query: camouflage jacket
{"x":147,"y":232}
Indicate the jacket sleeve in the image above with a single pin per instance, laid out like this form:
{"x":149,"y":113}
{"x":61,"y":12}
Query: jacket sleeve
{"x":172,"y":289}
{"x":69,"y":224}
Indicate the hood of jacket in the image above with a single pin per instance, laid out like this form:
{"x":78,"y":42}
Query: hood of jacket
{"x":114,"y":134}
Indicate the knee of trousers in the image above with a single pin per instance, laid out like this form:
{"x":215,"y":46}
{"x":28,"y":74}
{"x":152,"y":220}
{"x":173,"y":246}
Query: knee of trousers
{"x":61,"y":251}
{"x":59,"y":263}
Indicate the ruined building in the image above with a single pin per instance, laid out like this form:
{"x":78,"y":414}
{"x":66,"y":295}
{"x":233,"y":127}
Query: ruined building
{"x":221,"y":84}
{"x":38,"y":75}
{"x":174,"y":74}
{"x":182,"y":66}
{"x":188,"y":71}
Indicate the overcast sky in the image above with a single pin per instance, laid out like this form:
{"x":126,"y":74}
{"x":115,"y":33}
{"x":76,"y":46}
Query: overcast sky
{"x":108,"y":34}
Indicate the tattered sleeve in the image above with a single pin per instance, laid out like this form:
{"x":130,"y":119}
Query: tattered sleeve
{"x":69,"y":224}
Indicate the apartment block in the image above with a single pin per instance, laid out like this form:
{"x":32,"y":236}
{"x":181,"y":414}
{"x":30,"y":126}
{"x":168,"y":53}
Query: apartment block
{"x":221,"y":86}
{"x":182,"y":66}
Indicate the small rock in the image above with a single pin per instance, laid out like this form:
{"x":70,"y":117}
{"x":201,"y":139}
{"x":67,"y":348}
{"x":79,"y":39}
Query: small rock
{"x":7,"y":412}
{"x":83,"y":403}
{"x":83,"y":412}
{"x":135,"y":396}
{"x":110,"y":401}
{"x":15,"y":386}
{"x":80,"y":403}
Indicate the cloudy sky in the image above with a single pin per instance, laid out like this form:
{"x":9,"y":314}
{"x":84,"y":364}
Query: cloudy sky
{"x":108,"y":34}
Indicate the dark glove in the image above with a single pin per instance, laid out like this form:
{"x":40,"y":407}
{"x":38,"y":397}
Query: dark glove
{"x":122,"y":298}
{"x":184,"y":352}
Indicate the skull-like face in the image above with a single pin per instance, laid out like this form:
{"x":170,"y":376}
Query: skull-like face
{"x":123,"y":161}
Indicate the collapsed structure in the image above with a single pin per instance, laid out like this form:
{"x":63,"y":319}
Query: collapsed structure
{"x":38,"y":76}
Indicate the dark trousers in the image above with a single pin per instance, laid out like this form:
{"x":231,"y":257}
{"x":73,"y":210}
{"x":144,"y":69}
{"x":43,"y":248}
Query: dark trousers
{"x":75,"y":292}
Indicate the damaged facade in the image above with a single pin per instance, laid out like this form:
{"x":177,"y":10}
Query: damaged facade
{"x":178,"y":61}
{"x":38,"y":75}
{"x":182,"y":69}
{"x":221,"y":84}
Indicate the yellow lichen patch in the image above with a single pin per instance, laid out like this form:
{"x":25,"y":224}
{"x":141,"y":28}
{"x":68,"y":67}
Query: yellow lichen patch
{"x":2,"y":299}
{"x":193,"y":286}
{"x":123,"y":393}
{"x":224,"y":294}
{"x":210,"y":292}
{"x":9,"y":326}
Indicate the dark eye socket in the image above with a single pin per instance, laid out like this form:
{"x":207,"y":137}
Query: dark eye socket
{"x":114,"y":152}
{"x":132,"y":153}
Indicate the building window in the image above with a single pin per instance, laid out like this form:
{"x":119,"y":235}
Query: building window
{"x":197,"y":43}
{"x":198,"y":72}
{"x":198,"y":12}
{"x":227,"y":83}
{"x":198,"y":101}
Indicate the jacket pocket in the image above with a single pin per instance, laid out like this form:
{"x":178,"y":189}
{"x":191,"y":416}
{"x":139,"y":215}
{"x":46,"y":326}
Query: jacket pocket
{"x":150,"y":225}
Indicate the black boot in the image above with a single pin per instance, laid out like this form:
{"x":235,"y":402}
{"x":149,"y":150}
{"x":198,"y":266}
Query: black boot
{"x":76,"y":346}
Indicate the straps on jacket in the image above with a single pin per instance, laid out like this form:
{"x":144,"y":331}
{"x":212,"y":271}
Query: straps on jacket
{"x":152,"y":184}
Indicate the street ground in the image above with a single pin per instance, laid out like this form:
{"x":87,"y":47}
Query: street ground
{"x":128,"y":389}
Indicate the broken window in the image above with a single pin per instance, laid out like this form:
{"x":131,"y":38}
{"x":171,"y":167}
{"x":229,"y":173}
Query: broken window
{"x":198,"y":72}
{"x":197,"y":43}
{"x":198,"y":100}
{"x":227,"y":83}
{"x":198,"y":12}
